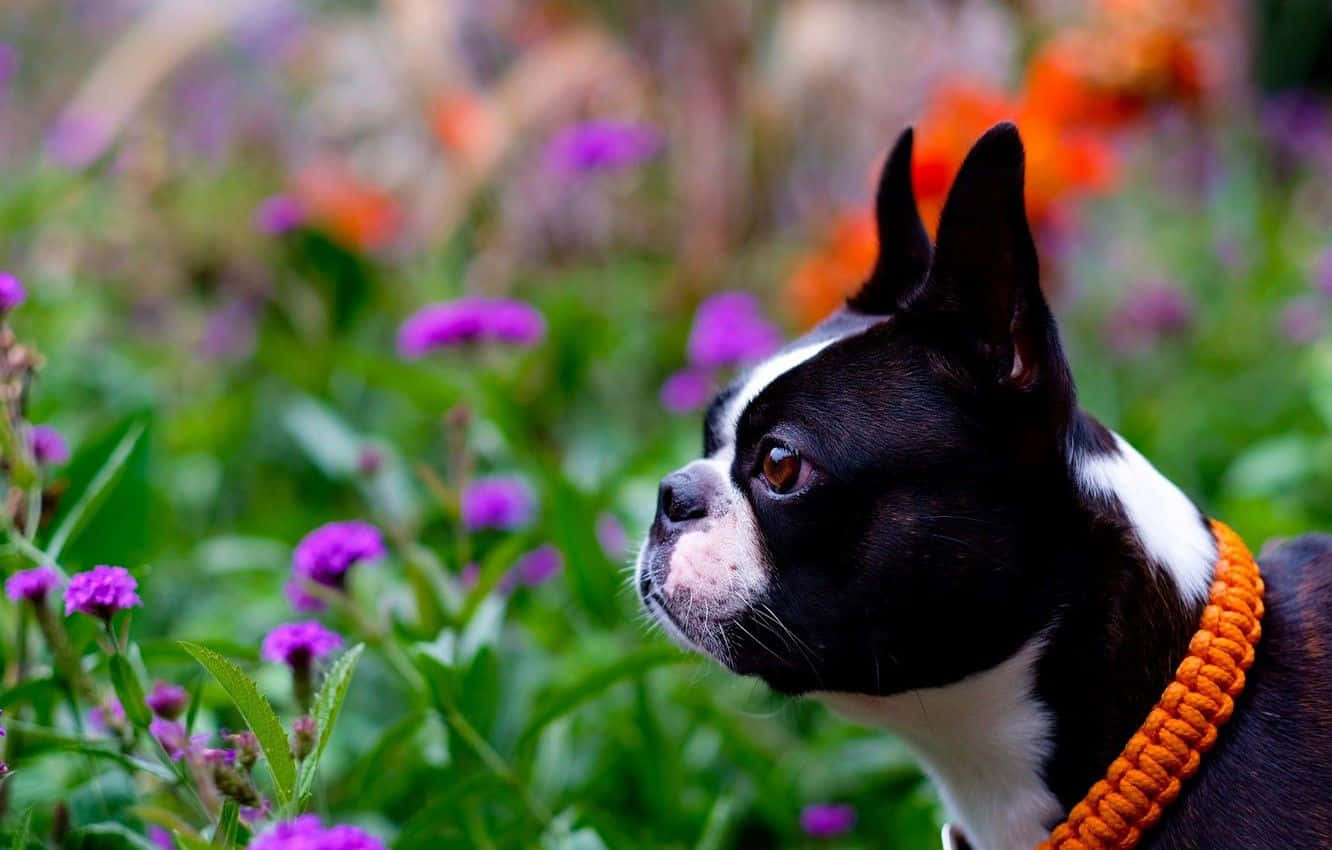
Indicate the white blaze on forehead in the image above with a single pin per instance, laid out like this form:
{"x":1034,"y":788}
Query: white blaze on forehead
{"x":761,"y":376}
{"x":1166,"y":522}
{"x":716,"y":569}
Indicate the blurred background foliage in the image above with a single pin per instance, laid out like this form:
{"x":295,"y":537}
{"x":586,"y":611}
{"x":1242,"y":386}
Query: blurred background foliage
{"x":223,"y":211}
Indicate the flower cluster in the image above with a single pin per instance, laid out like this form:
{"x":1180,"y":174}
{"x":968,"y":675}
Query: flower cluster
{"x":326,"y":554}
{"x":101,"y":592}
{"x":47,"y":445}
{"x":168,"y":701}
{"x":601,"y":146}
{"x":500,"y":502}
{"x":298,"y":645}
{"x":308,"y":833}
{"x":12,"y":293}
{"x":471,"y":319}
{"x":826,"y":820}
{"x":729,"y":330}
{"x":32,"y":585}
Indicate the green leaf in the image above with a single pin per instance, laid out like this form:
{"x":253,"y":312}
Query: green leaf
{"x":130,"y":692}
{"x":590,"y":685}
{"x":21,"y":834}
{"x":107,"y":836}
{"x":327,"y":706}
{"x":257,"y":713}
{"x":323,"y":437}
{"x":91,"y":497}
{"x":189,"y":842}
{"x":225,"y":834}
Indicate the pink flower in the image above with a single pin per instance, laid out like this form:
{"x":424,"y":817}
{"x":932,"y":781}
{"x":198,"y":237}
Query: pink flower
{"x":32,"y":585}
{"x":611,"y":535}
{"x":48,"y":445}
{"x":167,"y":700}
{"x":101,"y":592}
{"x":686,"y":390}
{"x":602,"y":146}
{"x":827,"y":821}
{"x":497,"y":502}
{"x":12,"y":292}
{"x":471,"y":319}
{"x":299,"y":644}
{"x":307,"y":833}
{"x":326,"y":554}
{"x":278,"y":214}
{"x":729,"y":329}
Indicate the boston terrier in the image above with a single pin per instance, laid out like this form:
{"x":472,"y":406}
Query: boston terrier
{"x":905,"y":514}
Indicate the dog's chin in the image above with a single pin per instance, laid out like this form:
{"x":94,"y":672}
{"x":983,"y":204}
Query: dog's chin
{"x":724,"y":639}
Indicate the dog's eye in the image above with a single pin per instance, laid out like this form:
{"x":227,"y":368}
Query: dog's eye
{"x":783,"y":469}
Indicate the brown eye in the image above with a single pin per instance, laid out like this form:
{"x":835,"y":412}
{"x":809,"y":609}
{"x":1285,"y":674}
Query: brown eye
{"x":781,"y":469}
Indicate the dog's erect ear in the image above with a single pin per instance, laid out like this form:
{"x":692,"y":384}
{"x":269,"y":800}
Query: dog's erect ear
{"x":984,"y":286}
{"x":904,"y":247}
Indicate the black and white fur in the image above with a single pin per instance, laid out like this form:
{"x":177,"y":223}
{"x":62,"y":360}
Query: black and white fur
{"x":970,"y":560}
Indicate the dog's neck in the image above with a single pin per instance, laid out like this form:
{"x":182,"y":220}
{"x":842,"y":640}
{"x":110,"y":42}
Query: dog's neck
{"x":1012,"y":748}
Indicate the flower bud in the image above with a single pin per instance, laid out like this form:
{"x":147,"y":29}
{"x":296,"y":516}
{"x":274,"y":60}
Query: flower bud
{"x":304,"y":735}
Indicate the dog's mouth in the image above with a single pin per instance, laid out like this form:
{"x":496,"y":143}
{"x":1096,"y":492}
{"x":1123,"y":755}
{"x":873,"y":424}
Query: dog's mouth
{"x":740,"y":640}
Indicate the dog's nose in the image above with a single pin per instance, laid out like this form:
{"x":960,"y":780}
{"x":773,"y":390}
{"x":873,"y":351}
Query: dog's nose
{"x":682,"y":496}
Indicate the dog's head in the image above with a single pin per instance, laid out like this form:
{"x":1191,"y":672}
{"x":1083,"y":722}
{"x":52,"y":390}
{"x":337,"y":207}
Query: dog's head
{"x":863,"y":506}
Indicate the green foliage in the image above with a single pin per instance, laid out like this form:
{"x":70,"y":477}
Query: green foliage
{"x":258,"y":713}
{"x":327,"y":706}
{"x":488,"y":713}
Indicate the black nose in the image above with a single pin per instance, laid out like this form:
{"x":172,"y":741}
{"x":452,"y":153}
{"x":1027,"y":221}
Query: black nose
{"x":682,"y":497}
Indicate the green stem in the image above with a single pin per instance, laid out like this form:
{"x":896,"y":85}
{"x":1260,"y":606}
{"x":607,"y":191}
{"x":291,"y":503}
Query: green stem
{"x":62,"y":653}
{"x":33,"y":518}
{"x":493,"y":760}
{"x":20,"y":542}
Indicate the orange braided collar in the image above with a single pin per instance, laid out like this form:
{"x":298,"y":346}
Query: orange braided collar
{"x":1166,"y":751}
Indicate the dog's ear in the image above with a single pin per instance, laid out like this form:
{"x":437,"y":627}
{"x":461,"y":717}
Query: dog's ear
{"x":904,"y":247}
{"x":983,"y":295}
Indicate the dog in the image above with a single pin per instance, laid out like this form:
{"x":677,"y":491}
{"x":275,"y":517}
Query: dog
{"x":905,"y":514}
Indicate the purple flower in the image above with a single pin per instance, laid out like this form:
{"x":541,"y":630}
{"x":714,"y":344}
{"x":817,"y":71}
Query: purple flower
{"x":729,"y":329}
{"x":827,"y":820}
{"x":1302,"y":321}
{"x":161,"y":837}
{"x":77,"y":140}
{"x":32,"y":585}
{"x":307,"y":833}
{"x":107,"y":716}
{"x":304,"y":736}
{"x":496,"y":502}
{"x":167,"y":700}
{"x":1322,"y":272}
{"x":101,"y":592}
{"x":611,"y":535}
{"x":601,"y":146}
{"x":278,"y":214}
{"x":1148,"y":313}
{"x":514,"y":322}
{"x":686,"y":390}
{"x":12,"y":292}
{"x":48,"y":445}
{"x":325,"y":554}
{"x":299,"y":644}
{"x":171,"y":735}
{"x":539,"y":565}
{"x":467,"y":320}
